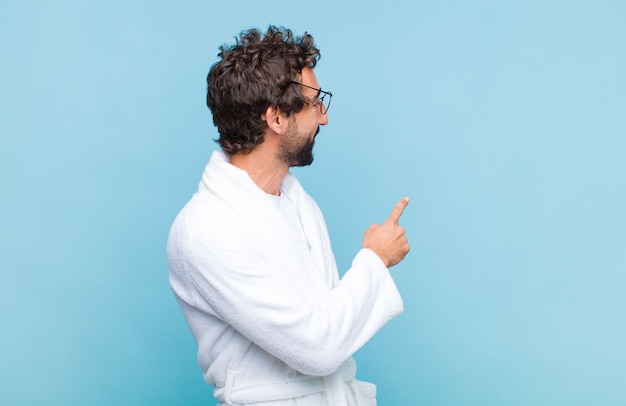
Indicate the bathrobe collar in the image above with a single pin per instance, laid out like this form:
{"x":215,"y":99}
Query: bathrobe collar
{"x":235,"y":188}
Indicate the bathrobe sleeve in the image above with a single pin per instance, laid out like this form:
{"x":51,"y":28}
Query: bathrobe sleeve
{"x":228,"y":277}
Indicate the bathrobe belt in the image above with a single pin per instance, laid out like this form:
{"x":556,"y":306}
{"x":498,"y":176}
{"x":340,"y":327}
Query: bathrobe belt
{"x":333,"y":386}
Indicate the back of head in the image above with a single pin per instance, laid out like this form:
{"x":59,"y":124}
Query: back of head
{"x":251,"y":75}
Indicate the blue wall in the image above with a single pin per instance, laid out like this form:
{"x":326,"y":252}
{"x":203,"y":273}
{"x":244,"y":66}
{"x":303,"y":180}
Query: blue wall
{"x":503,"y":121}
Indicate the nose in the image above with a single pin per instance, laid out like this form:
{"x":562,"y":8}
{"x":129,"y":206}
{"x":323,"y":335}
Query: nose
{"x":323,"y":118}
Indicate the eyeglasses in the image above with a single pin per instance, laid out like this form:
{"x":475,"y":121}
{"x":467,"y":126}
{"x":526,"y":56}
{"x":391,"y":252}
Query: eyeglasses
{"x":318,"y":101}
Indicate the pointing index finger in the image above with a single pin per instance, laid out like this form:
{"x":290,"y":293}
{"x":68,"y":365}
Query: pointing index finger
{"x":398,"y":210}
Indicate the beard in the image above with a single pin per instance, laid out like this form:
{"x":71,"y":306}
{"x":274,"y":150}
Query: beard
{"x":296,"y":149}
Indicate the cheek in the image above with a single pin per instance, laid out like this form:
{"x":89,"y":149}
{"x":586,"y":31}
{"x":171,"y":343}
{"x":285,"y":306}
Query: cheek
{"x":305,"y":124}
{"x":313,"y":121}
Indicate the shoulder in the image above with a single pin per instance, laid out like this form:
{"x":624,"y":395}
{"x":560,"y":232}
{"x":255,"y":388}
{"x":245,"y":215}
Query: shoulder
{"x":203,"y":217}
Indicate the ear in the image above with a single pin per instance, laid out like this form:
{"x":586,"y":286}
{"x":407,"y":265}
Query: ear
{"x":276,"y":120}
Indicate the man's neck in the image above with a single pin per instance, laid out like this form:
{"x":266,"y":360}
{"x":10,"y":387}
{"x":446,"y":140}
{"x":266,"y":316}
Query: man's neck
{"x":263,"y":168}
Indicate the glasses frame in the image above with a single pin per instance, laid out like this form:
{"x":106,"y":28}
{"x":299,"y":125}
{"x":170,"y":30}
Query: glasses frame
{"x":320,"y":100}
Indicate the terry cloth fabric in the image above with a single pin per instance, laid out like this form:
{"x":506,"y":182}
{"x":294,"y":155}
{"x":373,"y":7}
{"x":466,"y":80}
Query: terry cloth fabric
{"x":266,"y":307}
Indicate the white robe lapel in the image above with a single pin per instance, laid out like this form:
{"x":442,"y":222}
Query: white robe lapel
{"x":308,"y":268}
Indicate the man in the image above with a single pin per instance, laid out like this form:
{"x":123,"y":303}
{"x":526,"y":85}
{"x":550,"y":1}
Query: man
{"x":249,"y":256}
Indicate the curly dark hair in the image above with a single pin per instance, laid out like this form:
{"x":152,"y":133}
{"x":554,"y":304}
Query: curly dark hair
{"x":253,"y":74}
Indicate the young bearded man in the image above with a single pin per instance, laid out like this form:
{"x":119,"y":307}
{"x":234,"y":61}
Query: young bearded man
{"x":250,"y":259}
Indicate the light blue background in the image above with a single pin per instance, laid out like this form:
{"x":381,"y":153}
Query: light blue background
{"x":505,"y":122}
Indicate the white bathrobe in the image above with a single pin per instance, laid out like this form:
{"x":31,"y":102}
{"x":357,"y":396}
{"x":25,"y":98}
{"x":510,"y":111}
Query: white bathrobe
{"x":273,"y":322}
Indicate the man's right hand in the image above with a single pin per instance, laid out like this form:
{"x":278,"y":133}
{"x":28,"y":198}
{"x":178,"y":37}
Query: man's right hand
{"x":387,"y":240}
